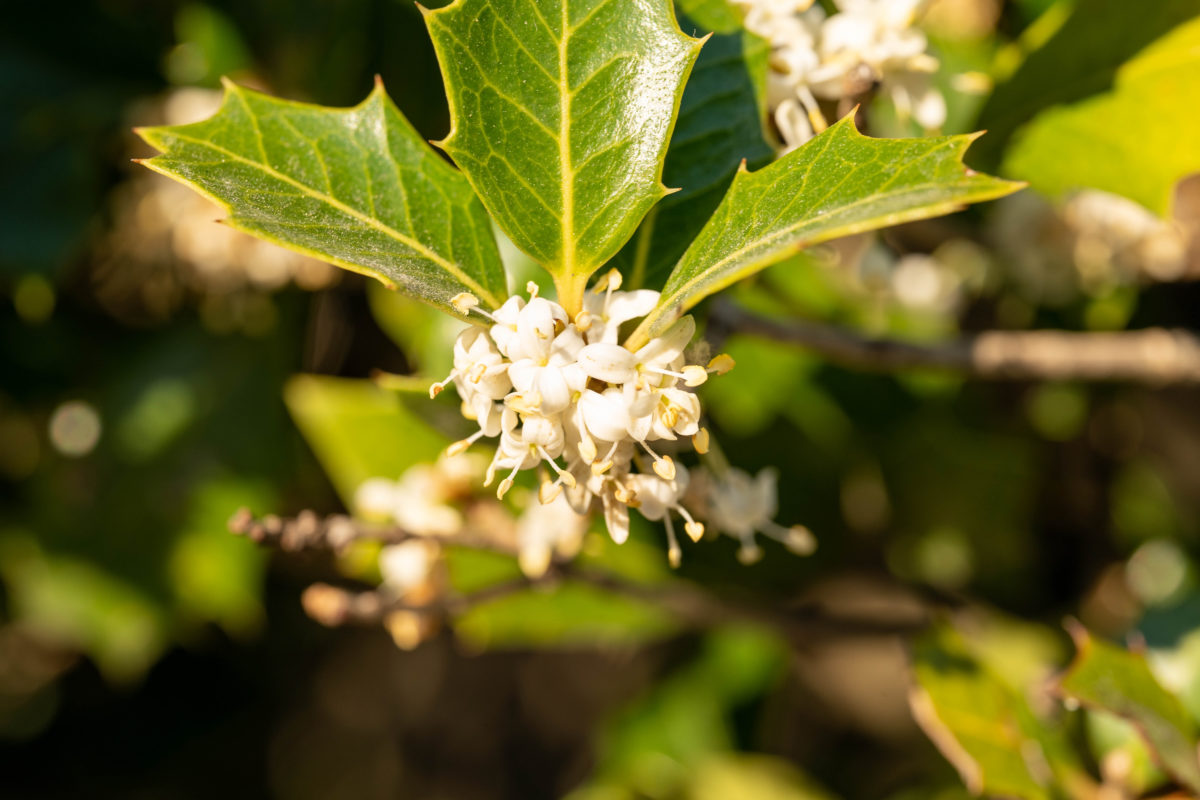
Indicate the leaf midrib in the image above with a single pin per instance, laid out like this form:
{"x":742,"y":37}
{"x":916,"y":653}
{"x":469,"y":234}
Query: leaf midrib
{"x":370,"y":221}
{"x":564,"y":147}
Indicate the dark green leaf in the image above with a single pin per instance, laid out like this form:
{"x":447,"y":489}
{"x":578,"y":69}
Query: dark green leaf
{"x":560,"y":117}
{"x":357,"y":187}
{"x":720,"y":125}
{"x":1114,"y":680}
{"x":839,"y":183}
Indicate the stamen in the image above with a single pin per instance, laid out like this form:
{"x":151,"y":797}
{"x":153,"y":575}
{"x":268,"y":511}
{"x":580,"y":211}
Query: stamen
{"x":695,"y":530}
{"x":694,"y":375}
{"x":564,"y":476}
{"x":674,"y":554}
{"x":815,"y":117}
{"x":749,"y":552}
{"x":701,"y":441}
{"x":464,"y":302}
{"x":490,"y":475}
{"x":583,"y":321}
{"x":797,"y":538}
{"x":663,"y":465}
{"x":548,"y":492}
{"x":437,"y":388}
{"x":720,"y":364}
{"x":507,"y":483}
{"x":601,"y":467}
{"x":461,"y":445}
{"x":532,"y":288}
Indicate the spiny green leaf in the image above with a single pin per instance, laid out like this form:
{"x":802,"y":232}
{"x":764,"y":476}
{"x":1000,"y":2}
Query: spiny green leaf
{"x":720,"y":125}
{"x":1137,"y":141}
{"x":983,"y":726}
{"x":357,"y":187}
{"x":839,"y":183}
{"x":560,"y":115}
{"x":1114,"y":680}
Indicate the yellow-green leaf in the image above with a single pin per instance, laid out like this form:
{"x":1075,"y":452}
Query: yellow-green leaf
{"x":1138,"y":140}
{"x":1120,"y":682}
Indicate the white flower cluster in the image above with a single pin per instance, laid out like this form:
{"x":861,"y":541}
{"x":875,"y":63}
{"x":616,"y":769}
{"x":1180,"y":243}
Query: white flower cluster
{"x":840,"y":57}
{"x":551,"y":387}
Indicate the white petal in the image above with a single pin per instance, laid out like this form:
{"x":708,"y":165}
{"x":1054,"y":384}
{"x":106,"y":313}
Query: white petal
{"x":610,"y":363}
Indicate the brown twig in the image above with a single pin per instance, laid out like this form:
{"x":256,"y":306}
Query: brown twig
{"x":1153,"y":355}
{"x":335,"y":606}
{"x":310,"y":531}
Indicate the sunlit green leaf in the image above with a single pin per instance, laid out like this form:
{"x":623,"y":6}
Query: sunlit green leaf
{"x":357,"y":187}
{"x":1106,"y":677}
{"x":560,"y":116}
{"x":720,"y":124}
{"x":1077,"y":60}
{"x":359,"y":431}
{"x":982,"y":725}
{"x":839,"y":183}
{"x":1136,"y":140}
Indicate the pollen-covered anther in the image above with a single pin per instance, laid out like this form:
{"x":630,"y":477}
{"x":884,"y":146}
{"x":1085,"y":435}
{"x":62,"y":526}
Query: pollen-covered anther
{"x":694,"y":375}
{"x":700,"y":441}
{"x":583,"y":321}
{"x":722,"y":363}
{"x":548,"y":491}
{"x":664,"y":466}
{"x":464,"y":302}
{"x":695,"y":530}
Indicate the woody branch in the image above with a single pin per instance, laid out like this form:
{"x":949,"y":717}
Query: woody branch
{"x":1156,"y":356}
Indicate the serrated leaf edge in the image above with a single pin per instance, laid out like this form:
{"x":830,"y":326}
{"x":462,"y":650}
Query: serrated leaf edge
{"x":664,"y":315}
{"x":152,"y":136}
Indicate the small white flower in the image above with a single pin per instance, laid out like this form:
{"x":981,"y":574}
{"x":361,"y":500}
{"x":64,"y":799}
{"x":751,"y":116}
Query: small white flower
{"x":553,"y":388}
{"x":742,"y":505}
{"x":546,"y":531}
{"x":407,"y":565}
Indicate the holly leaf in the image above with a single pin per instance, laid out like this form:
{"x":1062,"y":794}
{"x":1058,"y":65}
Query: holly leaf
{"x":1120,"y":682}
{"x":560,"y":116}
{"x":839,"y":183}
{"x":720,"y":125}
{"x":1134,"y":140}
{"x":356,"y":187}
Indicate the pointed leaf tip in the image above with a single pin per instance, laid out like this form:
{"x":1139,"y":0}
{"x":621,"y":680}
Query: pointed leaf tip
{"x":841,"y":182}
{"x":405,"y":217}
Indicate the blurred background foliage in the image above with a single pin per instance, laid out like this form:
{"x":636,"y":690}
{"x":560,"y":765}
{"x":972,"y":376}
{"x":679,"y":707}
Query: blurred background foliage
{"x":159,"y":371}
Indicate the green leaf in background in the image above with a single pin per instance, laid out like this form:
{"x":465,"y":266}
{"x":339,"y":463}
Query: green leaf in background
{"x":567,"y":615}
{"x":359,"y":431}
{"x":718,"y":16}
{"x":1137,"y":140}
{"x":654,"y":746}
{"x":357,"y":187}
{"x":560,"y":117}
{"x":1078,"y":60}
{"x":1120,"y":682}
{"x":982,"y":725}
{"x":839,"y":183}
{"x":720,"y":125}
